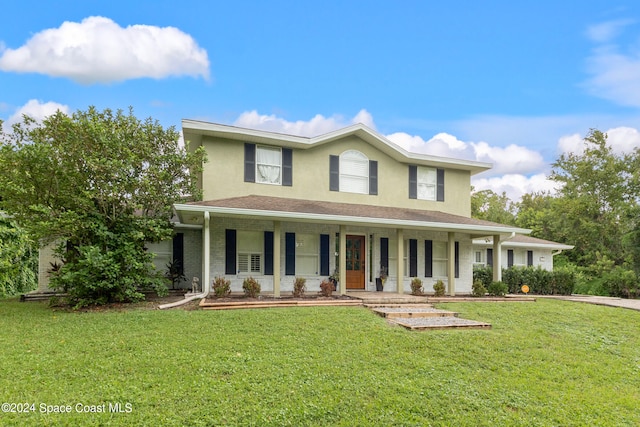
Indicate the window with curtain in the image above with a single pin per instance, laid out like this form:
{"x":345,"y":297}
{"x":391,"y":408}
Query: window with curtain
{"x":354,"y":172}
{"x":427,"y":183}
{"x":268,"y":165}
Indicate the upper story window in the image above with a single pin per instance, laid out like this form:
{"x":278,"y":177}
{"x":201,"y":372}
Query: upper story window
{"x":426,"y":183}
{"x":268,"y":165}
{"x":353,"y":172}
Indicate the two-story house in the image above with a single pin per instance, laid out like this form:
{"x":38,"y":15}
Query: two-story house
{"x":349,"y":203}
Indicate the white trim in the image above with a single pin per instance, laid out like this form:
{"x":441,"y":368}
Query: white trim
{"x":508,"y":244}
{"x":344,"y":219}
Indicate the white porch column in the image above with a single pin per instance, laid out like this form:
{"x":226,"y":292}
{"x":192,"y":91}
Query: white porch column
{"x":206,"y":255}
{"x":497,"y":259}
{"x":342,"y":260}
{"x":451,"y":264}
{"x":276,"y":258}
{"x":400,"y":267}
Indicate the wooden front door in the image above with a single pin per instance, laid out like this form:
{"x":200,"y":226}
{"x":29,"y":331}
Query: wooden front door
{"x":355,"y":262}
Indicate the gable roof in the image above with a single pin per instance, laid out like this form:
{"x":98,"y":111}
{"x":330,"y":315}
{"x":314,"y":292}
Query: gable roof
{"x":195,"y":127}
{"x":278,"y":208}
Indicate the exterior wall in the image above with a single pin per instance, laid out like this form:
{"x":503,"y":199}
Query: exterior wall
{"x":192,"y":256}
{"x":163,"y":251}
{"x":372,"y":256}
{"x":45,"y":258}
{"x":541,"y":257}
{"x":223,"y":177}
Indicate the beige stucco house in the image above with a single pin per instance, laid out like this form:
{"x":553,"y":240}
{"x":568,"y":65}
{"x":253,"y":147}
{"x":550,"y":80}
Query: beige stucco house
{"x":349,"y":203}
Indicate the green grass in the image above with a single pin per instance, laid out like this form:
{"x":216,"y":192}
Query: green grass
{"x":547,"y":363}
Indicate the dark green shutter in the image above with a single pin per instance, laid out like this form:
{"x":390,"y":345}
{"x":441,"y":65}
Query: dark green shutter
{"x":384,"y":254}
{"x":428,"y":258}
{"x":334,"y":173}
{"x":509,"y":257}
{"x":413,"y":257}
{"x":529,"y":258}
{"x":324,"y":254}
{"x":440,"y":185}
{"x":178,"y":252}
{"x":268,"y":253}
{"x":249,"y":162}
{"x":290,"y":254}
{"x":456,"y":265}
{"x":413,"y":182}
{"x":490,"y":257}
{"x":230,"y":252}
{"x":287,"y":167}
{"x":373,"y":177}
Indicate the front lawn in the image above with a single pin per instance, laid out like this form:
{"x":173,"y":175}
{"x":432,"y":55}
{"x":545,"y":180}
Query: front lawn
{"x":544,"y":363}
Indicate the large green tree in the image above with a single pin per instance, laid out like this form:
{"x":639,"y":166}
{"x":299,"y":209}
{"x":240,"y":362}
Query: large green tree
{"x":102,"y":184}
{"x":598,"y":203}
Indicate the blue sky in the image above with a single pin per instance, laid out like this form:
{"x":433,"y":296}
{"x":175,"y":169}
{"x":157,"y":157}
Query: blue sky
{"x":512,"y":83}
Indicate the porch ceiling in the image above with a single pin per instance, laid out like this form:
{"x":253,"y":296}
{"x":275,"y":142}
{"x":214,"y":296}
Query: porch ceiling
{"x":297,"y":210}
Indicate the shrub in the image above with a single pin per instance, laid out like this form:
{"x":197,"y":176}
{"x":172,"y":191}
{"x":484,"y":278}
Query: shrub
{"x":299,"y":287}
{"x":221,"y":287}
{"x":326,"y":288}
{"x":438,"y":288}
{"x":251,"y":287}
{"x":563,"y":282}
{"x":478,"y":289}
{"x":621,"y":282}
{"x":416,"y":286}
{"x":497,"y":289}
{"x":484,"y":274}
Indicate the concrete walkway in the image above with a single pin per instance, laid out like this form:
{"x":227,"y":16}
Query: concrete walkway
{"x":633,"y":304}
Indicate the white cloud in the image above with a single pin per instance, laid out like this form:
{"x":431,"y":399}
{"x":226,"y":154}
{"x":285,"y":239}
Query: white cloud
{"x":515,"y":185}
{"x":614,"y":69}
{"x":99,"y":50}
{"x":622,"y":139}
{"x":606,"y":31}
{"x":35,"y":109}
{"x":510,"y":159}
{"x":318,"y":125}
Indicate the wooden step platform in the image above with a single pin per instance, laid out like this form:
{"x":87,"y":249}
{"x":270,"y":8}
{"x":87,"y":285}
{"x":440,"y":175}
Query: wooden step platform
{"x":410,"y":311}
{"x":424,"y":316}
{"x":431,"y":323}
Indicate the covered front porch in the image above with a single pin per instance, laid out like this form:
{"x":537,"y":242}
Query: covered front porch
{"x":279,"y":239}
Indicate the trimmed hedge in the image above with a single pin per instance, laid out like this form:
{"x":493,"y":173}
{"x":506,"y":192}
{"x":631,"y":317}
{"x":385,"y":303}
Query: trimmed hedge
{"x":540,"y":281}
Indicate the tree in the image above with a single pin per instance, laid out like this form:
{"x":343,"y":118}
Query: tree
{"x":490,"y":206}
{"x":102,"y":184}
{"x":597,"y":208}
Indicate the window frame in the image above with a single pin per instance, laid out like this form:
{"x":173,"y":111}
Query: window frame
{"x":258,"y":175}
{"x":350,"y":175}
{"x":242,"y":250}
{"x":432,"y":187}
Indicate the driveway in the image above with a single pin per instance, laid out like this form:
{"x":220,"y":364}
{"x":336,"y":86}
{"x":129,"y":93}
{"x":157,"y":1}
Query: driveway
{"x":633,"y":304}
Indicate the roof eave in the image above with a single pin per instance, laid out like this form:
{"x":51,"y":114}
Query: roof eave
{"x":182,"y":209}
{"x":291,"y":141}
